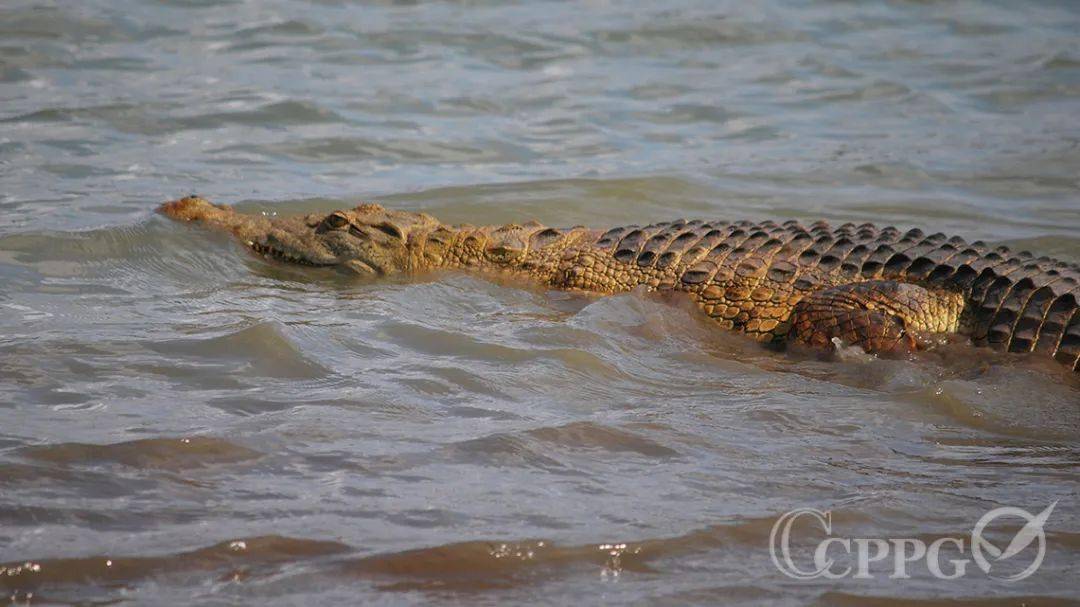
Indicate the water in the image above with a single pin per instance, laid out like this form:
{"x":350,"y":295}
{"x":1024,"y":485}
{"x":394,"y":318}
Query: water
{"x":182,"y":422}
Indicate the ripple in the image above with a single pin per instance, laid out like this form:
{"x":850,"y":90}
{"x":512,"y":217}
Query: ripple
{"x":291,"y":27}
{"x":340,"y":149}
{"x":120,"y":117}
{"x":447,"y":343}
{"x":483,"y":565}
{"x":587,"y":435}
{"x":113,"y":570}
{"x":54,"y":23}
{"x":149,"y":453}
{"x":262,"y":349}
{"x":274,"y":115}
{"x":705,"y":32}
{"x":502,"y":450}
{"x":151,"y":121}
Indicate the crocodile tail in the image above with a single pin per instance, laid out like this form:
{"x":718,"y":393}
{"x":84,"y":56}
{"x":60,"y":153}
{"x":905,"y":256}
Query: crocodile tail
{"x":1018,"y":303}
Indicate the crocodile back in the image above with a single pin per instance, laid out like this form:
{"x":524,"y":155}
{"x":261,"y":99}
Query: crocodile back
{"x":748,"y":275}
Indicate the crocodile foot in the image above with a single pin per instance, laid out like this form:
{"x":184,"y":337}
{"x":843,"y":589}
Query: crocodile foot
{"x":881,"y":316}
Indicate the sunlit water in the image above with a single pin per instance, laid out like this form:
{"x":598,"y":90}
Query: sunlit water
{"x":181,"y":421}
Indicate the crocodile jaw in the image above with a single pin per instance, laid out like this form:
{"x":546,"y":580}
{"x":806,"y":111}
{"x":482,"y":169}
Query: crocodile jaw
{"x":276,"y":254}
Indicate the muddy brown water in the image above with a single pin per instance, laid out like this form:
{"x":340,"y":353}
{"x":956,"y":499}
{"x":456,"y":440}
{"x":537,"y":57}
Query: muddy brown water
{"x":181,"y":422}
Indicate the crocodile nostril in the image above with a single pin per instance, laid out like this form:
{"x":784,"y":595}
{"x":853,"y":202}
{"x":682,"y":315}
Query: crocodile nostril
{"x":357,"y":232}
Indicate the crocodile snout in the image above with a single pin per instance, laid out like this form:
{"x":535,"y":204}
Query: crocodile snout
{"x":193,"y":208}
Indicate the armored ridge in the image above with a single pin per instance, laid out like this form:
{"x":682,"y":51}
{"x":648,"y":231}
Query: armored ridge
{"x":879,"y":288}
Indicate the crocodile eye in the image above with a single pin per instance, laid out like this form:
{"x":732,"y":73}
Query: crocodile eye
{"x":335,"y":221}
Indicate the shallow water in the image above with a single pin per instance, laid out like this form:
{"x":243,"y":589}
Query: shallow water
{"x":183,"y":422}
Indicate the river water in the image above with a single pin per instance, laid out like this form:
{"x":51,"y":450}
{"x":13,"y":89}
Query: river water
{"x":183,"y":422}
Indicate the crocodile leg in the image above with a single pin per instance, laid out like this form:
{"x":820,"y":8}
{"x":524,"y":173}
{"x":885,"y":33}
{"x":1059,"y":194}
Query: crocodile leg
{"x":881,"y":316}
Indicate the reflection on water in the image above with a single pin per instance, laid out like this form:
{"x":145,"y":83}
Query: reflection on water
{"x":179,"y":419}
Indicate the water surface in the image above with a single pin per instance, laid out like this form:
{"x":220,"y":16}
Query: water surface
{"x":183,"y":422}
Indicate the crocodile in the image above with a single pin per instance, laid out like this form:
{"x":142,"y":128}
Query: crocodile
{"x":885,"y":290}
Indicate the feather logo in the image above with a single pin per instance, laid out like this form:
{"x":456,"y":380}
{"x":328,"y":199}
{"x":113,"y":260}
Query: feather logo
{"x":1031,"y":532}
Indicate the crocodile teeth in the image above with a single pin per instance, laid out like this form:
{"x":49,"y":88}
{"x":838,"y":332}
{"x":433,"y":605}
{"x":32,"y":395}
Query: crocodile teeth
{"x":268,"y":251}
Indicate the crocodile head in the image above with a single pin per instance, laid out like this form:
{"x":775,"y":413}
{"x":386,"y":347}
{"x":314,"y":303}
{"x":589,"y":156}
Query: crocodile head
{"x":367,"y":239}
